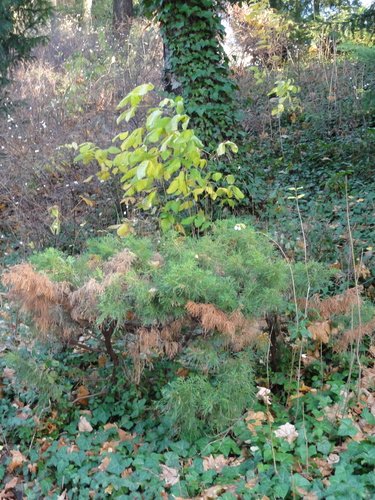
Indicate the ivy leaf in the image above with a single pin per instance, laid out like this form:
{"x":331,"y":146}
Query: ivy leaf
{"x":346,"y":428}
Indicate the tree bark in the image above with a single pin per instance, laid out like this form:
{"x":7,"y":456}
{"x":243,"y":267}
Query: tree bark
{"x":86,"y":15}
{"x":122,"y":14}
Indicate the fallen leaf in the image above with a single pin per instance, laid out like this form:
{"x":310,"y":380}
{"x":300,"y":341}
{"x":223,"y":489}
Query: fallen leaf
{"x":11,"y":484}
{"x":216,"y":491}
{"x":82,"y":393}
{"x":84,"y":425}
{"x":9,"y":373}
{"x":288,"y":432}
{"x":307,"y":495}
{"x":324,"y":467}
{"x":123,"y":435}
{"x":320,"y":330}
{"x":33,"y":468}
{"x":257,"y":416}
{"x":264,"y":394}
{"x":104,"y":464}
{"x":88,"y":202}
{"x":333,"y":458}
{"x":253,"y":482}
{"x":170,"y":476}
{"x":17,"y":460}
{"x":126,"y":473}
{"x":217,"y":463}
{"x":63,"y":496}
{"x":102,"y":360}
{"x":109,"y":446}
{"x":109,"y":489}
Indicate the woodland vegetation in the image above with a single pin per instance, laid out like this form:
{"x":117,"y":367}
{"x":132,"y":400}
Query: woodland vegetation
{"x":187,"y":250}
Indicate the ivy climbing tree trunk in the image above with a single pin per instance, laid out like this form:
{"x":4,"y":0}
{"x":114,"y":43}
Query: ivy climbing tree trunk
{"x":196,"y":65}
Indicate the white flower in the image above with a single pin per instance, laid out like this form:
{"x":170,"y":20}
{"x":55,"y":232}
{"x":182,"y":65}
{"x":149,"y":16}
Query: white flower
{"x":237,"y":227}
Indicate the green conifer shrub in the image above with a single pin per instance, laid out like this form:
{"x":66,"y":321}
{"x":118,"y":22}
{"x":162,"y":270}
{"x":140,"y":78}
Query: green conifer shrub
{"x":222,"y":282}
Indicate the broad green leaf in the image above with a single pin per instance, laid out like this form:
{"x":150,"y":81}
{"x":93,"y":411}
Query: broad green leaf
{"x":173,"y":205}
{"x":141,"y":185}
{"x":141,"y":90}
{"x":165,"y":225}
{"x":141,"y":170}
{"x":230,"y":179}
{"x":166,"y":154}
{"x":184,"y":137}
{"x":152,"y":118}
{"x":188,"y":220}
{"x":179,"y":105}
{"x":186,"y":205}
{"x":220,"y":149}
{"x":198,"y":220}
{"x":113,"y":150}
{"x":237,"y":193}
{"x":196,"y":192}
{"x":154,"y":136}
{"x":195,"y":174}
{"x":217,"y":176}
{"x":173,"y":166}
{"x":173,"y":187}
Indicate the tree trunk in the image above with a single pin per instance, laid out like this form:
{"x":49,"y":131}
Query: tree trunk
{"x":86,"y":15}
{"x":122,"y":15}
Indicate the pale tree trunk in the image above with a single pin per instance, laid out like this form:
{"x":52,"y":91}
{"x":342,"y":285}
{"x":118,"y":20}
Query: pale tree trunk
{"x":54,"y":21}
{"x":122,"y":15}
{"x":86,"y":18}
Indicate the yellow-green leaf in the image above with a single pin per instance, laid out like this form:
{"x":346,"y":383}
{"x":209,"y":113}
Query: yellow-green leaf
{"x":123,"y":230}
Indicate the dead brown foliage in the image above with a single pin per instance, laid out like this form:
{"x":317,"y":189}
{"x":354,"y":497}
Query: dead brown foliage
{"x":39,"y":296}
{"x":338,"y":304}
{"x":121,"y":263}
{"x":84,"y":301}
{"x":355,"y":335}
{"x":240,"y":330}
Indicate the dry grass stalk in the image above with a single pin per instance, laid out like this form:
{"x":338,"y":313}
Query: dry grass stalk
{"x":38,"y":295}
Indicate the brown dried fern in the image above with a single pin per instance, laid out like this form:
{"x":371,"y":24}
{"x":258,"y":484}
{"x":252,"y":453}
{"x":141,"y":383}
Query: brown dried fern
{"x":339,"y":304}
{"x":355,"y":335}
